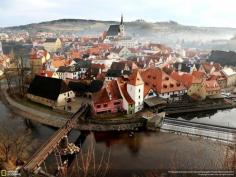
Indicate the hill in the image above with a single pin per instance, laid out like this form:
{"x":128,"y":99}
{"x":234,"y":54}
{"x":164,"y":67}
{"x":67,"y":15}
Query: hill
{"x":166,"y":32}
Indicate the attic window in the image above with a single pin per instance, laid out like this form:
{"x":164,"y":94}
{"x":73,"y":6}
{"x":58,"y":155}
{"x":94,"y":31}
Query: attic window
{"x":167,"y":78}
{"x":164,"y":86}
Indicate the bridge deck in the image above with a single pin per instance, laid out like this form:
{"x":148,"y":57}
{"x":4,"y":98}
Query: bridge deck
{"x":48,"y":147}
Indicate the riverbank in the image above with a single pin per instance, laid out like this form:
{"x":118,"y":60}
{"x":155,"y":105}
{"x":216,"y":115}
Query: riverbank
{"x":57,"y":120}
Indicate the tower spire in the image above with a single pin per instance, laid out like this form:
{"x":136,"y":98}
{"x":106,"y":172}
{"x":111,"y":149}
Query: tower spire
{"x":121,"y":21}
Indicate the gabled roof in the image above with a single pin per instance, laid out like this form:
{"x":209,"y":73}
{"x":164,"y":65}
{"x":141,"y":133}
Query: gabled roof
{"x":113,"y":30}
{"x":135,"y":78}
{"x":114,"y":73}
{"x":211,"y":85}
{"x":160,"y":82}
{"x":109,"y":92}
{"x":228,"y":72}
{"x":118,"y":66}
{"x":123,"y":88}
{"x":83,"y":64}
{"x":47,"y":87}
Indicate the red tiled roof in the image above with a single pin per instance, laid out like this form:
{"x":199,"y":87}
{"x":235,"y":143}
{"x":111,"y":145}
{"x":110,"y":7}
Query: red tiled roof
{"x":198,"y":74}
{"x":125,"y":93}
{"x":160,"y":82}
{"x":109,"y":92}
{"x":135,"y":78}
{"x":211,"y":85}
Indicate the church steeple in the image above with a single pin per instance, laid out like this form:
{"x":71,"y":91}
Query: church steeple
{"x":121,"y":21}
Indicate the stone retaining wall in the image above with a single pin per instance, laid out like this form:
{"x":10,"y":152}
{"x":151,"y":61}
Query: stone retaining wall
{"x":58,"y":121}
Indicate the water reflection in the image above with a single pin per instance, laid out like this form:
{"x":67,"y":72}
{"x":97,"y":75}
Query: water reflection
{"x":126,"y":139}
{"x":225,"y":118}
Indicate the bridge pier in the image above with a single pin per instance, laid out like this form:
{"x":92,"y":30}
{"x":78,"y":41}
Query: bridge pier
{"x":61,"y":166}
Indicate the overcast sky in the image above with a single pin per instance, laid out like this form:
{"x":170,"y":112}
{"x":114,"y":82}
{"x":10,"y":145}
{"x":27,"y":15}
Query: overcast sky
{"x":187,"y":12}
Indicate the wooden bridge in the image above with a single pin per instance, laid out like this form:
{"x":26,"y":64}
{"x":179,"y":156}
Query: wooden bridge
{"x":52,"y":143}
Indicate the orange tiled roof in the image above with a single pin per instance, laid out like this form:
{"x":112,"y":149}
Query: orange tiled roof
{"x":135,"y":78}
{"x":123,"y":87}
{"x":109,"y":92}
{"x":211,"y":85}
{"x":160,"y":82}
{"x":198,"y":74}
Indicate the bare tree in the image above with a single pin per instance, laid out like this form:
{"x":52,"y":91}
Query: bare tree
{"x":90,"y":165}
{"x":13,"y":142}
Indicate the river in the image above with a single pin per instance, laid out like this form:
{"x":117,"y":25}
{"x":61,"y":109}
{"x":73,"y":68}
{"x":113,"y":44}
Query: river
{"x":141,"y":151}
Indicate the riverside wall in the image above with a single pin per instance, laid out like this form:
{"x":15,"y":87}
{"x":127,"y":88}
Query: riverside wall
{"x":57,"y":121}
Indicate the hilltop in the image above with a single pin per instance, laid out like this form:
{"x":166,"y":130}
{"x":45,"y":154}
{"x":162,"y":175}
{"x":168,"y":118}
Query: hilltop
{"x":166,"y":32}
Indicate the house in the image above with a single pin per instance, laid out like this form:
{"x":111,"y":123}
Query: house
{"x":118,"y":69}
{"x":162,"y":84}
{"x":135,"y":89}
{"x":37,"y":59}
{"x":123,"y":52}
{"x":207,"y":68}
{"x":203,"y":89}
{"x":50,"y":92}
{"x":116,"y":31}
{"x":230,"y":75}
{"x":94,"y":71}
{"x":82,"y":67}
{"x":108,"y":99}
{"x":128,"y":103}
{"x":61,"y":72}
{"x":56,"y":62}
{"x":52,"y":44}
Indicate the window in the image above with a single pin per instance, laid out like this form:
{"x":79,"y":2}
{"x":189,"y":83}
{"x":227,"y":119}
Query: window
{"x":167,"y":78}
{"x":150,"y":94}
{"x":139,"y":97}
{"x":139,"y":90}
{"x":117,"y":103}
{"x":149,"y":76}
{"x":105,"y":105}
{"x":171,"y":85}
{"x":178,"y":84}
{"x":98,"y":106}
{"x":154,"y":77}
{"x":164,"y":86}
{"x":146,"y":83}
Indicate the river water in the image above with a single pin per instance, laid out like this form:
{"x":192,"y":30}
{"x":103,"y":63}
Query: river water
{"x":143,"y":151}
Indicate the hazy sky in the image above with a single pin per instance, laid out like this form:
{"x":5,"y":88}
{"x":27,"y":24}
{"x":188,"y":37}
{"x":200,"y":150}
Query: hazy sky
{"x":187,"y":12}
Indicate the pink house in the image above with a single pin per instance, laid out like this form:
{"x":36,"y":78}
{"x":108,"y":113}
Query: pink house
{"x":108,"y":99}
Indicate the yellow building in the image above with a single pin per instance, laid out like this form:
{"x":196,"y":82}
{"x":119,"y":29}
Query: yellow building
{"x":37,"y":59}
{"x":52,"y":44}
{"x":203,"y":89}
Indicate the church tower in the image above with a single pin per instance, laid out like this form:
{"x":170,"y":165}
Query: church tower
{"x":122,"y":26}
